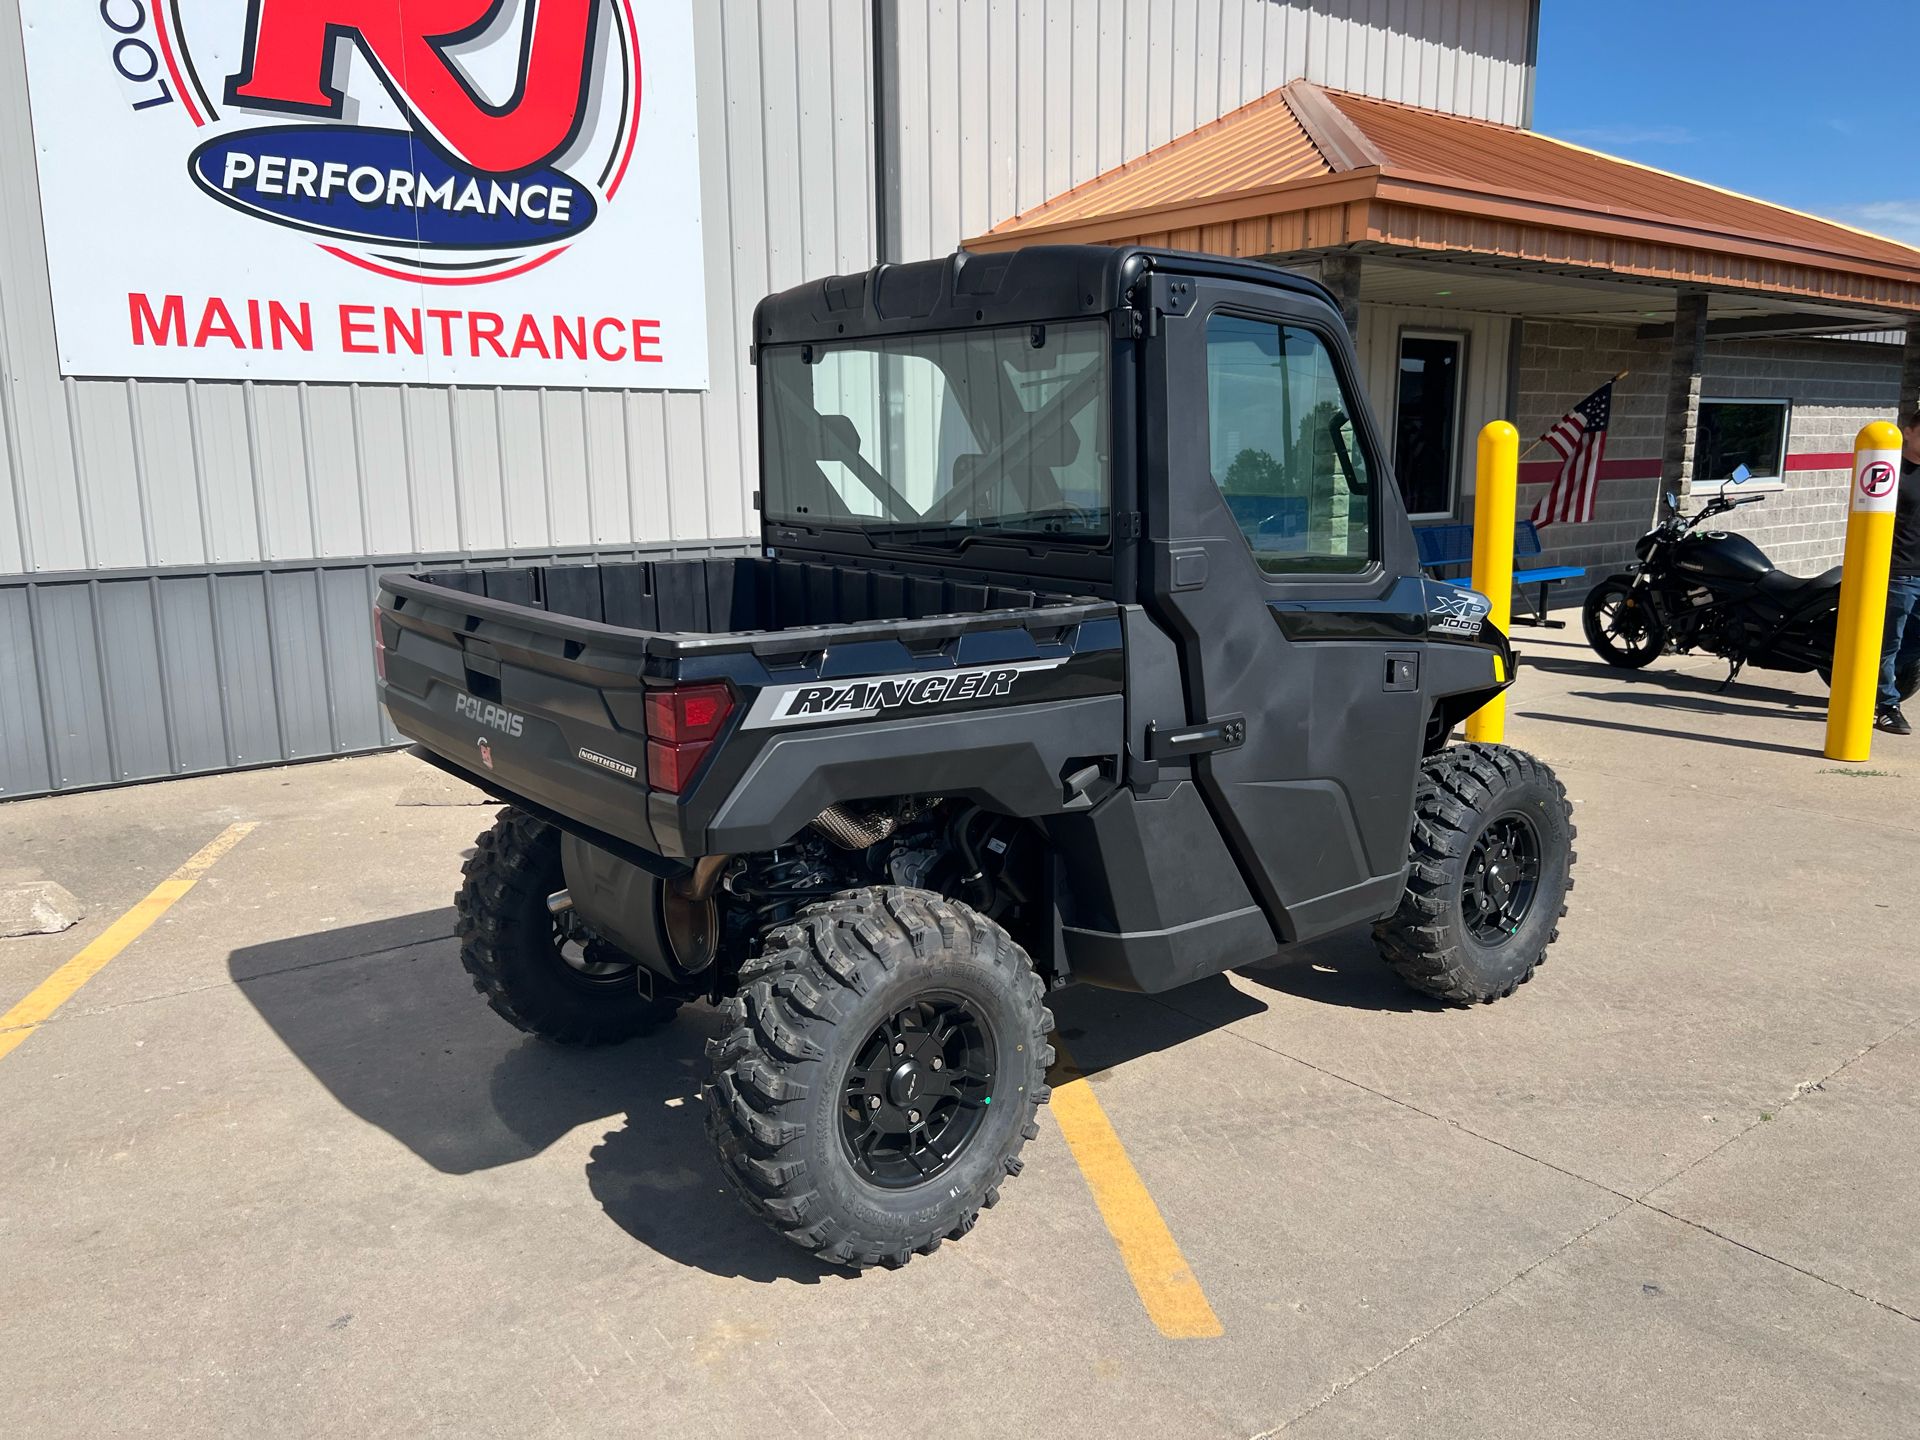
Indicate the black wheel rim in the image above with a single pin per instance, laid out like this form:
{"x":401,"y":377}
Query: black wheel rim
{"x":917,"y":1092}
{"x":1620,"y":623}
{"x":1501,"y":880}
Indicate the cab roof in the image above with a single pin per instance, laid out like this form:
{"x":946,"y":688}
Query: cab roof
{"x":968,"y":291}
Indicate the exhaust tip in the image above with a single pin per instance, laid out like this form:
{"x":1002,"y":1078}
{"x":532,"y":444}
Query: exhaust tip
{"x":560,"y":902}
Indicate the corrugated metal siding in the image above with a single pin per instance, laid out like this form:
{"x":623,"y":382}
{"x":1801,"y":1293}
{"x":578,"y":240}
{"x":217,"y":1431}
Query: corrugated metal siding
{"x":114,"y":474}
{"x":1004,"y":105}
{"x":141,"y":676}
{"x":259,"y":505}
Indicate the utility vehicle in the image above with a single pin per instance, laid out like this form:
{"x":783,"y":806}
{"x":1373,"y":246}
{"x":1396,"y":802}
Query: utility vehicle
{"x":1085,"y":642}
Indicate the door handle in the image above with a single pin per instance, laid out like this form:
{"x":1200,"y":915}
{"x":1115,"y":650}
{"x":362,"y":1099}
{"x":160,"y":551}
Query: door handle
{"x":1226,"y":733}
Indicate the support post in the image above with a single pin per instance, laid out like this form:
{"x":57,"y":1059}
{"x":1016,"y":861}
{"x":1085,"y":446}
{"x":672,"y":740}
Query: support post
{"x":1910,"y":371}
{"x":1683,"y":395}
{"x":1863,"y":592}
{"x":1496,"y":482}
{"x":1340,"y":273}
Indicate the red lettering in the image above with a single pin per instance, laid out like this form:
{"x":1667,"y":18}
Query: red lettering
{"x":284,"y":327}
{"x":253,"y":323}
{"x":528,"y":337}
{"x":646,"y":342}
{"x":398,"y":333}
{"x":216,"y":323}
{"x":169,"y":327}
{"x":565,"y":339}
{"x":446,"y":319}
{"x":292,"y":46}
{"x":356,"y":321}
{"x":487,"y":326}
{"x":600,"y":346}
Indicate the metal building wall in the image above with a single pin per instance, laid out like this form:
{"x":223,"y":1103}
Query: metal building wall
{"x":183,"y":565}
{"x":1005,"y":103}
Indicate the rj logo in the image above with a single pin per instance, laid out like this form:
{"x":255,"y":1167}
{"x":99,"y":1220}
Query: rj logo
{"x":291,"y":47}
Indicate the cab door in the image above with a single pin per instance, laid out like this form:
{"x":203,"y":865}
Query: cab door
{"x":1280,"y":558}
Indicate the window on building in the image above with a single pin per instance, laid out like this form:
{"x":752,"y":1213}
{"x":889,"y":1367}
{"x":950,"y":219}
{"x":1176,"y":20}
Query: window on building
{"x":1733,"y":433}
{"x":1426,"y":451}
{"x":1284,"y":450}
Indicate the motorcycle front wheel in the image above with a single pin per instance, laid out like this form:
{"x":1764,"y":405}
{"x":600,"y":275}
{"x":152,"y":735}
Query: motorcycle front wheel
{"x":1622,"y":625}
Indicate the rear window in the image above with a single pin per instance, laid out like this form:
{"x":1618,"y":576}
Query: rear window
{"x":933,"y":438}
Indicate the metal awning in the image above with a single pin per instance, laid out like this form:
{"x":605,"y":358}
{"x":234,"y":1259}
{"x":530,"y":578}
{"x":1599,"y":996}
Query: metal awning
{"x":1304,"y":171}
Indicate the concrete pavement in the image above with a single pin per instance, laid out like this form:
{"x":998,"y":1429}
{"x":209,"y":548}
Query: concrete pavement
{"x":276,"y":1168}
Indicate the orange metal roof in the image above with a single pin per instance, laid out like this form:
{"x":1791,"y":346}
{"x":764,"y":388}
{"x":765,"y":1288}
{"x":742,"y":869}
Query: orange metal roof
{"x":1309,"y":168}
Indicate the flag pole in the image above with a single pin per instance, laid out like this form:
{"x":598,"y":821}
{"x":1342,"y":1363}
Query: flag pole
{"x":1543,"y":439}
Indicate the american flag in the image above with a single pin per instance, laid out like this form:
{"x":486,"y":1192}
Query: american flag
{"x":1581,"y":438}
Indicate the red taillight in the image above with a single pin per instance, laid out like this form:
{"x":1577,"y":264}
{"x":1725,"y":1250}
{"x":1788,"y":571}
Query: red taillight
{"x":681,"y":724}
{"x":693,"y":712}
{"x":379,"y":643}
{"x":670,"y":767}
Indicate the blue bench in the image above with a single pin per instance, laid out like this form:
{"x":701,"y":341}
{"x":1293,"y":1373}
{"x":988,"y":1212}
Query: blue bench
{"x":1444,"y":547}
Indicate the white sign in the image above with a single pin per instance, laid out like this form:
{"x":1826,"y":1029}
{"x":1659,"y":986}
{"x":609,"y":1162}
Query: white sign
{"x":480,"y":192}
{"x":1876,"y":480}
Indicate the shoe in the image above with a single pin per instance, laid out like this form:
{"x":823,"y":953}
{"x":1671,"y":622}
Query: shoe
{"x":1889,"y":719}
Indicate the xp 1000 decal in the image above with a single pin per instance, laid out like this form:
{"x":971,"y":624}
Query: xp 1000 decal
{"x":477,"y":190}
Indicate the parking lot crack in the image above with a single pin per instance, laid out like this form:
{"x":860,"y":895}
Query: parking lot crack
{"x":1406,"y":1104}
{"x":1340,"y":1387}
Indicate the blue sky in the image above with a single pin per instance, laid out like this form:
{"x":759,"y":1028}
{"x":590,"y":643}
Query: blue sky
{"x":1750,"y":94}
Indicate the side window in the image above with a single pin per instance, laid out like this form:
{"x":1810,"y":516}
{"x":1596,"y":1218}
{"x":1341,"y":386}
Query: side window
{"x":1284,"y":450}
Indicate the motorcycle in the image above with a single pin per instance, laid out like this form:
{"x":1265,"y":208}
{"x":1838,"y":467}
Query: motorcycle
{"x":1693,"y":589}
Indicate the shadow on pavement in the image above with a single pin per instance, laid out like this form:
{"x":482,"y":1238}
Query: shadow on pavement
{"x":1689,"y":735}
{"x":1715,"y":705}
{"x":382,"y":1015}
{"x":1342,"y":969}
{"x":385,"y":1019}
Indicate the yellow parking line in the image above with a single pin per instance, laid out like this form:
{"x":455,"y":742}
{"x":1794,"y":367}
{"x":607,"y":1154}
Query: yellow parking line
{"x":1160,"y":1273}
{"x":58,"y":988}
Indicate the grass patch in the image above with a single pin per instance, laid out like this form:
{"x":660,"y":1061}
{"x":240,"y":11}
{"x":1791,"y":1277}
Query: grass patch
{"x":1861,"y":774}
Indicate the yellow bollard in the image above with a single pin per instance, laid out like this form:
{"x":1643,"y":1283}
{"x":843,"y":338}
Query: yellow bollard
{"x":1496,"y":480}
{"x":1863,"y":592}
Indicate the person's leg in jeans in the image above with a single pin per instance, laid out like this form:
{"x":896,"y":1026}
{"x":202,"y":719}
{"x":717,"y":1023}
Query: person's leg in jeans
{"x":1901,"y":646}
{"x":1906,"y":660}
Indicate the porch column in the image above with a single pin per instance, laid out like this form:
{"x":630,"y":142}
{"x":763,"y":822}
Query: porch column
{"x":1683,"y":392}
{"x":1340,"y":273}
{"x":1910,"y":371}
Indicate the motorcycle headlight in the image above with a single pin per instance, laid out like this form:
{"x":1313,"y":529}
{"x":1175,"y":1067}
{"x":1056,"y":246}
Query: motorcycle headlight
{"x":1644,"y":546}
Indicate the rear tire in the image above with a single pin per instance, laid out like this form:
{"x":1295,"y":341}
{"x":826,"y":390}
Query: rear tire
{"x":1491,"y":867}
{"x":840,"y":1115}
{"x":536,"y":970}
{"x":1622,"y":626}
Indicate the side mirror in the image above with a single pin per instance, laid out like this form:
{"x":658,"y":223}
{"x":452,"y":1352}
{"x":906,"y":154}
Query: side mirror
{"x":1741,"y":474}
{"x":1673,"y":503}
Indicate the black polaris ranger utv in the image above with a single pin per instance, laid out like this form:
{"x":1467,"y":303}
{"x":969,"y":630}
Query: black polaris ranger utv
{"x":1086,"y":642}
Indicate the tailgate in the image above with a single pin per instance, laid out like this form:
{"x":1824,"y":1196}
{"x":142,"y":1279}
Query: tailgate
{"x":536,"y":705}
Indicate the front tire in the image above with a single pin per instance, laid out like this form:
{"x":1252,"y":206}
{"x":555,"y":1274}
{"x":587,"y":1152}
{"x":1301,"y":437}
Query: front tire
{"x":1622,"y":625}
{"x":1491,"y":867}
{"x":884,"y":1064}
{"x":538,"y":971}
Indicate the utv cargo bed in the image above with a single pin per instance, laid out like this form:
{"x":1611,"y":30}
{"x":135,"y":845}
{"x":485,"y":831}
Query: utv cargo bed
{"x":533,"y":680}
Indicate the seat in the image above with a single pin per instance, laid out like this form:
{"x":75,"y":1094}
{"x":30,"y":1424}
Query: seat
{"x":1780,"y":583}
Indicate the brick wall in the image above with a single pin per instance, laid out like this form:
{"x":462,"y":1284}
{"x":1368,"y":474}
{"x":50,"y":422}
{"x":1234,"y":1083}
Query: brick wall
{"x":1560,"y":364}
{"x":1836,"y":387}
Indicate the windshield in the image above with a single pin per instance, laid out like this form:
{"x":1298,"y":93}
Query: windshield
{"x":931,"y":439}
